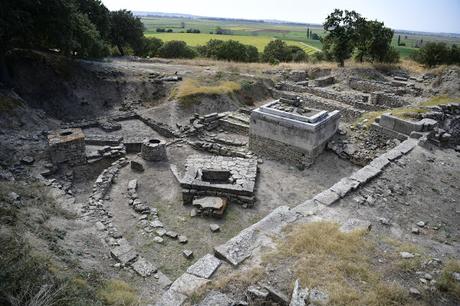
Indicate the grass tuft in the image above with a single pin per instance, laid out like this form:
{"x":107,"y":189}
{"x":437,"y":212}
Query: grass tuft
{"x":118,"y":293}
{"x":447,"y":282}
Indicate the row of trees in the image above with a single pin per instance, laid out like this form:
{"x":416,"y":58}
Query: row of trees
{"x":349,"y":33}
{"x":276,"y":51}
{"x":432,"y":54}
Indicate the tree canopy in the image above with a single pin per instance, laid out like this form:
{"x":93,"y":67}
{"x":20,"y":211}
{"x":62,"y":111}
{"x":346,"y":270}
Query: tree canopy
{"x":348,"y":32}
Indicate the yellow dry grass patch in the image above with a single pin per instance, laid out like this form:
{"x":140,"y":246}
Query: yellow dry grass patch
{"x":408,"y":112}
{"x":191,"y":88}
{"x":447,"y":282}
{"x":118,"y":293}
{"x":339,"y":263}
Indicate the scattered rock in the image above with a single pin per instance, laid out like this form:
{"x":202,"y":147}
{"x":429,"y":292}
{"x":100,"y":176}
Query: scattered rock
{"x":182,"y":238}
{"x":299,"y":295}
{"x":406,"y":255}
{"x":414,"y":291}
{"x":137,"y":166}
{"x":257,"y":292}
{"x":214,"y":227}
{"x":421,"y":224}
{"x":188,"y":254}
{"x":27,"y":160}
{"x":171,"y":234}
{"x":158,"y":239}
{"x":415,"y":230}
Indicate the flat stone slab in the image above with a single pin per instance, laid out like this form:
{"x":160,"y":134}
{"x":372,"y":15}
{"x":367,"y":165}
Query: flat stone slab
{"x":364,"y":174}
{"x":380,"y":162}
{"x":327,"y":197}
{"x":143,"y":267}
{"x":124,"y":253}
{"x":171,"y":298}
{"x":393,"y":154}
{"x":215,"y":298}
{"x":187,"y":284}
{"x":205,"y":266}
{"x":240,"y":247}
{"x":132,"y":185}
{"x":344,"y":186}
{"x":163,"y":280}
{"x":355,"y":224}
{"x":407,"y":145}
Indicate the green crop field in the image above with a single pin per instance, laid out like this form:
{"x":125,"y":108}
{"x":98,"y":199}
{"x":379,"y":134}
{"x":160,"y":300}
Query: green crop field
{"x":259,"y":33}
{"x":201,"y":39}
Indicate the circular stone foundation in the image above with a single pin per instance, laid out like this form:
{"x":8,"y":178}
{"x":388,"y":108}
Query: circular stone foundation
{"x":153,"y":150}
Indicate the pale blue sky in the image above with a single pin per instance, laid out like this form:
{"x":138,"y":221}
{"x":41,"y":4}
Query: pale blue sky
{"x":420,"y":15}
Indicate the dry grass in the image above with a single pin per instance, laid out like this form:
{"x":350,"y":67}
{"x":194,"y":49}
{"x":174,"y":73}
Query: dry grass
{"x":408,"y":112}
{"x":118,"y":293}
{"x":190,"y":88}
{"x":446,"y":281}
{"x":339,"y":263}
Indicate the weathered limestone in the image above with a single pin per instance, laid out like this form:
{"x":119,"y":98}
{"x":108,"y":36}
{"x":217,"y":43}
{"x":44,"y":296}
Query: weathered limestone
{"x":205,"y":266}
{"x":289,"y":136}
{"x":210,"y":206}
{"x":215,"y":298}
{"x":153,"y":150}
{"x":143,"y":267}
{"x":406,"y":127}
{"x":67,"y":146}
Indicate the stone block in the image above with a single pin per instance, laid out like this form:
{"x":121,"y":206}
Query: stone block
{"x":365,"y":174}
{"x":205,"y":266}
{"x":187,"y":284}
{"x":215,"y":298}
{"x":327,"y":197}
{"x":171,"y":298}
{"x":143,"y":267}
{"x":344,"y":186}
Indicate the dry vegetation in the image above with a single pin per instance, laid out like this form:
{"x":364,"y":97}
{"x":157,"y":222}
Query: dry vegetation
{"x":407,"y":112}
{"x":339,"y":263}
{"x":192,"y":88}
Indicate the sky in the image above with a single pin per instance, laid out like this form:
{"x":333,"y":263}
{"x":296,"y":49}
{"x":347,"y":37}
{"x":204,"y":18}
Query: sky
{"x":417,"y":15}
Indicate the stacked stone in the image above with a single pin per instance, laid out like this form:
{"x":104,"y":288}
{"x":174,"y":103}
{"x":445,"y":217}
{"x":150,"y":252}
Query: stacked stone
{"x":153,"y":150}
{"x":120,"y":249}
{"x":161,"y":128}
{"x":67,"y":146}
{"x":220,"y":149}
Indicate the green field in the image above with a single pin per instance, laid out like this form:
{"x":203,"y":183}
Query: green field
{"x":259,"y":33}
{"x":201,"y":39}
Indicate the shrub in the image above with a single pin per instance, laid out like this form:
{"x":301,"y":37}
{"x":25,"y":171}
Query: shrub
{"x":252,"y":54}
{"x":176,"y":49}
{"x":150,"y":47}
{"x":432,"y":54}
{"x":297,"y":54}
{"x":276,"y":50}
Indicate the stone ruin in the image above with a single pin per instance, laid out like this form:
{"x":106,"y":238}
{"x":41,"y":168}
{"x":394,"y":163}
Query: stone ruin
{"x":153,"y":150}
{"x":231,"y":178}
{"x":67,"y":145}
{"x":287,"y":130}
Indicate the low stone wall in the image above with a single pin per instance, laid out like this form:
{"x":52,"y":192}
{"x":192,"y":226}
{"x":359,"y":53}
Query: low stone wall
{"x":406,"y":126}
{"x":102,"y":140}
{"x":387,"y":100}
{"x":161,"y":128}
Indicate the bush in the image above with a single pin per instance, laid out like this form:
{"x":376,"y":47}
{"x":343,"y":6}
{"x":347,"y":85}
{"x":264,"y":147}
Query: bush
{"x":432,"y":54}
{"x":252,"y":54}
{"x":276,"y":50}
{"x":176,"y":49}
{"x":391,"y":56}
{"x":297,"y":54}
{"x":230,"y":50}
{"x":150,"y":47}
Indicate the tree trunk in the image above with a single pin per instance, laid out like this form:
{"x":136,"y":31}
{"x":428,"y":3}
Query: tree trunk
{"x":341,"y":63}
{"x":4,"y":75}
{"x":120,"y":49}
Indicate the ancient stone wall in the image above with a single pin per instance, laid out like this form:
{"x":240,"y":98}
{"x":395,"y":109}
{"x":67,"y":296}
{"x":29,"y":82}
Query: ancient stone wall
{"x":67,"y":146}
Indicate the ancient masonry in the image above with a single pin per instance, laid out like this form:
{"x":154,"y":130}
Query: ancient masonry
{"x":67,"y":146}
{"x":153,"y":150}
{"x":286,"y":130}
{"x":232,"y":178}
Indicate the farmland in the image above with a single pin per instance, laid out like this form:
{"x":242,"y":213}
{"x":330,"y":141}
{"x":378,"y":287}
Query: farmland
{"x":259,"y":33}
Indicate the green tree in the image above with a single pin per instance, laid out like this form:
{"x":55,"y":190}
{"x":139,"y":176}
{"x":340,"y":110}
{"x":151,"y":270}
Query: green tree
{"x":150,"y":47}
{"x":432,"y":54}
{"x":399,"y":40}
{"x":379,"y":42}
{"x":252,"y":54}
{"x":454,"y":55}
{"x":341,"y":34}
{"x":176,"y":49}
{"x":297,"y":54}
{"x":276,"y":51}
{"x":98,"y":14}
{"x":126,"y":30}
{"x":232,"y":50}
